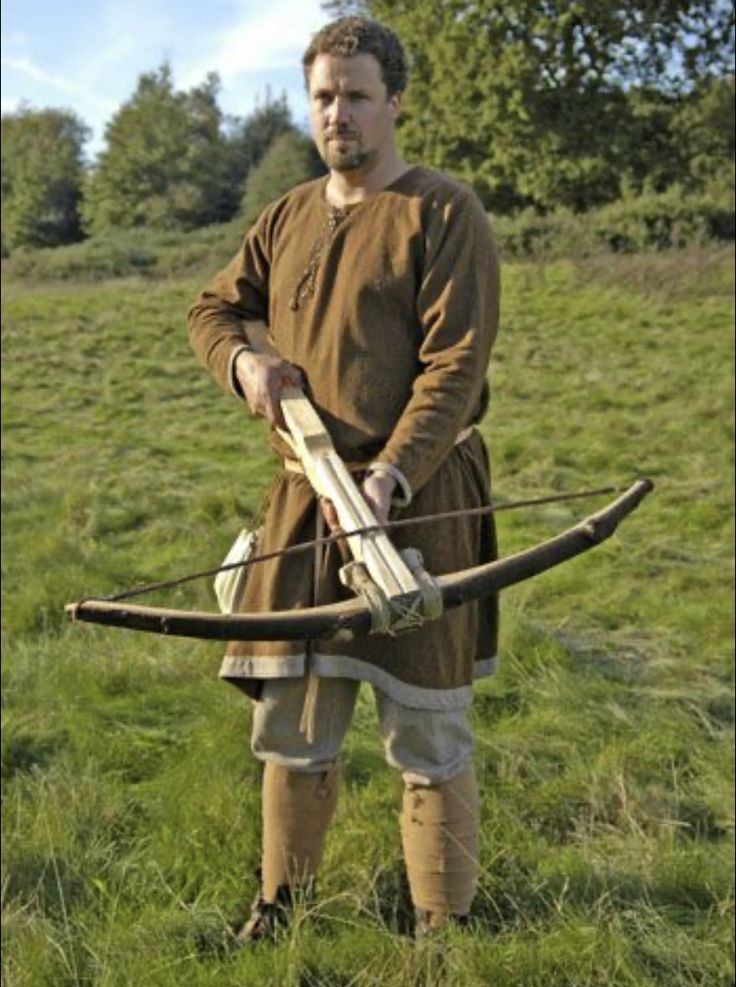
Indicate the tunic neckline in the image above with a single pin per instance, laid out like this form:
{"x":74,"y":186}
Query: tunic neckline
{"x":335,"y":216}
{"x":340,"y":212}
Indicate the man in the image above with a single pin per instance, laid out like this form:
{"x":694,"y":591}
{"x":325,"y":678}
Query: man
{"x":376,"y":289}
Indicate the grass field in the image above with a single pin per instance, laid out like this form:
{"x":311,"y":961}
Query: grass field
{"x":604,"y":745}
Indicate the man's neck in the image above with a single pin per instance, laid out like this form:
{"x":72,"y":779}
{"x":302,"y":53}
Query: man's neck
{"x":347,"y":188}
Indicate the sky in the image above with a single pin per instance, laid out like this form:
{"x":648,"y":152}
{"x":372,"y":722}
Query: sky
{"x":87,"y":55}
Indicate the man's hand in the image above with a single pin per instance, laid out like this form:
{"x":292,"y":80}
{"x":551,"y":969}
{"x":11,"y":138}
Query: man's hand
{"x":377,"y":490}
{"x":262,"y":377}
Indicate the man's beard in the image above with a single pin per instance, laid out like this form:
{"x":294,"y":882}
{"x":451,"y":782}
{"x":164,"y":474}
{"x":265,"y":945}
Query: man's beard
{"x":352,"y":158}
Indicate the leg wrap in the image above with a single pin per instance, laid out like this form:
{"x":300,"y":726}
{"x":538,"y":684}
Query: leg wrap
{"x":297,"y":808}
{"x":440,"y":834}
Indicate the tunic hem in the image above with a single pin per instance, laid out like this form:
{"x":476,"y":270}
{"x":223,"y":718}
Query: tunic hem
{"x":347,"y":667}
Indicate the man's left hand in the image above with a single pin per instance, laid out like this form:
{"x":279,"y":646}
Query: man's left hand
{"x":377,"y":489}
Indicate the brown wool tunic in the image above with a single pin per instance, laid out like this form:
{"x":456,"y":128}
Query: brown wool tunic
{"x":390,"y":307}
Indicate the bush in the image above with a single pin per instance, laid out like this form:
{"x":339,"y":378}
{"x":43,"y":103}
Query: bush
{"x":290,"y":160}
{"x":648,"y":222}
{"x":143,"y":252}
{"x":42,"y":169}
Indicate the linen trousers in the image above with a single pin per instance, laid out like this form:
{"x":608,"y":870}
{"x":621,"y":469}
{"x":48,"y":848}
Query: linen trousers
{"x":427,"y":746}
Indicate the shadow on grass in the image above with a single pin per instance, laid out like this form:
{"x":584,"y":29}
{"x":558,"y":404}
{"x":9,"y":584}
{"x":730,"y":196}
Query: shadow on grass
{"x":388,"y":899}
{"x":26,"y":752}
{"x":53,"y":885}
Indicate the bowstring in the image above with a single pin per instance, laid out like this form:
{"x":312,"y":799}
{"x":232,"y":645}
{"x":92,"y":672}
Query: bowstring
{"x":341,"y":536}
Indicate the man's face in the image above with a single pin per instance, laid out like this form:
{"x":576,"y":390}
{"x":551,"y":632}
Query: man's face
{"x":352,"y":115}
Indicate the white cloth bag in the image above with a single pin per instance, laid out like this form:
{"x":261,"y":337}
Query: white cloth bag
{"x":229,"y":585}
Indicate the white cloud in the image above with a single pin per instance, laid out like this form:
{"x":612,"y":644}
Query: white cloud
{"x":79,"y":93}
{"x":131,"y":38}
{"x":251,"y":45}
{"x":262,"y":41}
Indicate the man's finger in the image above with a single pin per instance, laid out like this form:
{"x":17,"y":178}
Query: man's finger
{"x":293,"y":378}
{"x":330,"y":515}
{"x":275,"y":414}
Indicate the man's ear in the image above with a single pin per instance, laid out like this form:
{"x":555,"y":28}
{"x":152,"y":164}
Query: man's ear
{"x":396,"y":103}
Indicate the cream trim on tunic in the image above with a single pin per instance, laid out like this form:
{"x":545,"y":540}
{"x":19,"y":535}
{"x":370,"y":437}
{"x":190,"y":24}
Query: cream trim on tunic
{"x":345,"y":667}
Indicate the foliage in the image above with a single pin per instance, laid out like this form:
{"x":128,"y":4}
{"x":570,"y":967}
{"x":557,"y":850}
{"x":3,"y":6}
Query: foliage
{"x":290,"y":160}
{"x":706,"y":123}
{"x":562,"y":103}
{"x":604,"y":745}
{"x":661,"y":221}
{"x":166,"y":163}
{"x":250,"y":138}
{"x":668,"y":45}
{"x":555,"y":106}
{"x":173,"y":162}
{"x":42,"y":172}
{"x":151,"y":253}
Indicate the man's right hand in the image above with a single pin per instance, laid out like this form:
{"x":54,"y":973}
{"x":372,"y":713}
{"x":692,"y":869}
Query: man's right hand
{"x":262,"y":377}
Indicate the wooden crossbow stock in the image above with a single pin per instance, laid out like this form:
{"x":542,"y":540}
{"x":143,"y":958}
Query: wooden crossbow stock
{"x":394,"y":592}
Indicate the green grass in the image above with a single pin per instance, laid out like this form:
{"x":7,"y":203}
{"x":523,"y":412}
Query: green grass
{"x":604,"y":746}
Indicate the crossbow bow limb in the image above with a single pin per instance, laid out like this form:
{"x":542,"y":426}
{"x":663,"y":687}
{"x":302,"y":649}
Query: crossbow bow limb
{"x":394,"y":592}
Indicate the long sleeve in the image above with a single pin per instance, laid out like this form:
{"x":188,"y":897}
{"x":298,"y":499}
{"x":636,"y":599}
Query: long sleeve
{"x":458,"y":306}
{"x":236,"y":299}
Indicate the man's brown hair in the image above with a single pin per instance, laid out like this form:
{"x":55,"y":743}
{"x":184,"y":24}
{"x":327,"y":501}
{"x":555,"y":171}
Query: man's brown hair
{"x":350,"y":36}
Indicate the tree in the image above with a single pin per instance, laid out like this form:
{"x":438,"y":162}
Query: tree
{"x":42,"y":173}
{"x":290,"y":160}
{"x":556,"y":102}
{"x":166,"y":164}
{"x":249,"y":139}
{"x":704,"y":127}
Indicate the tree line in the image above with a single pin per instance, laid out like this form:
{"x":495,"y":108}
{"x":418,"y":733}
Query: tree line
{"x":172,"y":161}
{"x":534,"y":104}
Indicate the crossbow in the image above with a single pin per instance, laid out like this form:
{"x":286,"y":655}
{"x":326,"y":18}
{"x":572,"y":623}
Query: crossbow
{"x":394,"y":593}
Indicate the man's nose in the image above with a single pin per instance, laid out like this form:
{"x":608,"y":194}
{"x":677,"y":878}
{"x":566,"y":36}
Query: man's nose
{"x":339,"y":111}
